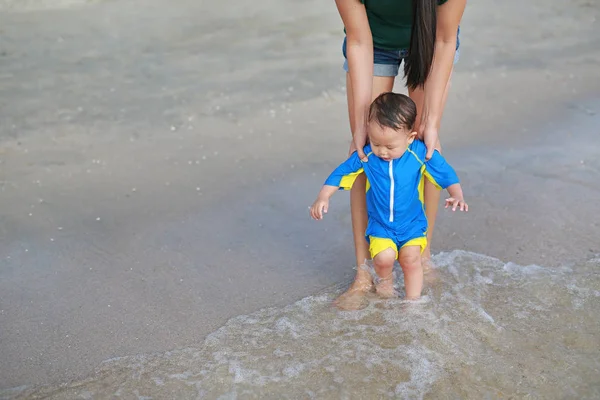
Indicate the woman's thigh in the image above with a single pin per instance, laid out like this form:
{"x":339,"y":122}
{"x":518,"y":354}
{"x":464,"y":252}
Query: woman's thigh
{"x":381,"y":84}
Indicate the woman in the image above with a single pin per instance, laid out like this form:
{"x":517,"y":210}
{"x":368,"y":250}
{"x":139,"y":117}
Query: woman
{"x":379,"y":35}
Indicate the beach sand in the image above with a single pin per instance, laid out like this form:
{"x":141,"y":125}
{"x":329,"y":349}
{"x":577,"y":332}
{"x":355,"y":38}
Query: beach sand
{"x":157,"y":160}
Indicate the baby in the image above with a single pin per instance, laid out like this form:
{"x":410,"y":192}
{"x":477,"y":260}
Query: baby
{"x":395,"y":170}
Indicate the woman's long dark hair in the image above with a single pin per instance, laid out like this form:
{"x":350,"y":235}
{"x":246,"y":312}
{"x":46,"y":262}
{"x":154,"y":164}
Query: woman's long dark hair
{"x":422,"y":42}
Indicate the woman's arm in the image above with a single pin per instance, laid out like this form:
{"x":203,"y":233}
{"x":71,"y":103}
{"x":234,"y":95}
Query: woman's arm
{"x":448,"y":19}
{"x":359,"y":52}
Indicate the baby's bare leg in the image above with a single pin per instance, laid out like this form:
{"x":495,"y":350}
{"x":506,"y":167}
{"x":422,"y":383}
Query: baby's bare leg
{"x":384,"y":265}
{"x":410,"y":261}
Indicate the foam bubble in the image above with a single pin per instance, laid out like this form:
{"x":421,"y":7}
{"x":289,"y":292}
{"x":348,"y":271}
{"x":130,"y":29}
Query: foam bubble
{"x":483,"y":329}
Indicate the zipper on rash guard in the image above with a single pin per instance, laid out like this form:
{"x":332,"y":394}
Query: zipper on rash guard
{"x":391,"y":169}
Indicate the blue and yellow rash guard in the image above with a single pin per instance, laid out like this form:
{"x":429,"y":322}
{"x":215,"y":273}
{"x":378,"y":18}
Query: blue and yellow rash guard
{"x":395,"y":201}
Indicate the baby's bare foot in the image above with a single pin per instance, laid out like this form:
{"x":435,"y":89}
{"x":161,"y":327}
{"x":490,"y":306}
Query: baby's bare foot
{"x":385,"y":289}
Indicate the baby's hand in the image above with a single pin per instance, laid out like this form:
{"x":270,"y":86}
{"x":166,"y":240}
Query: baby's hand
{"x":460,"y":203}
{"x":319,"y":208}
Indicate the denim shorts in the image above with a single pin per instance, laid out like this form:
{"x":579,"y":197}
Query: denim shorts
{"x":387,"y":62}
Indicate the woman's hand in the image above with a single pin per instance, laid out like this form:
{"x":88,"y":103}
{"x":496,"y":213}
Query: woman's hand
{"x":359,"y":140}
{"x":429,"y":135}
{"x":352,"y":148}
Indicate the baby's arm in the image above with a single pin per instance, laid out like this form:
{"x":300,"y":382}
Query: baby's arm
{"x":456,"y":198}
{"x":342,"y":177}
{"x":321,"y":204}
{"x":441,"y":174}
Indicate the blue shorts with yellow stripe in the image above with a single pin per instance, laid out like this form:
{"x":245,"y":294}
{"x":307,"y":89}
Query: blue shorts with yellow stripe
{"x":379,"y":244}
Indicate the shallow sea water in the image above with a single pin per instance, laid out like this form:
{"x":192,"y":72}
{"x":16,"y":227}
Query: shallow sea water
{"x":485,"y":329}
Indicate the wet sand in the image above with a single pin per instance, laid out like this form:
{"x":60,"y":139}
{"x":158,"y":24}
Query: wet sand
{"x":157,"y":161}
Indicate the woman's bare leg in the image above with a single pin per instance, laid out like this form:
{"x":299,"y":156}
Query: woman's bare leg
{"x":358,"y":209}
{"x":431,"y":193}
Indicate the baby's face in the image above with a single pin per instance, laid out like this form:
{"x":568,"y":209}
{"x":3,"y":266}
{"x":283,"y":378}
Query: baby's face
{"x":387,"y":143}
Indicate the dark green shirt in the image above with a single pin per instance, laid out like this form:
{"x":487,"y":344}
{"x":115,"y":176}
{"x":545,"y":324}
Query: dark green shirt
{"x":390,"y":22}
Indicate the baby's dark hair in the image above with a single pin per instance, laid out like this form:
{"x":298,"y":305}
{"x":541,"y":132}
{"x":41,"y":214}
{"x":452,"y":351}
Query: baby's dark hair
{"x":393,"y":110}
